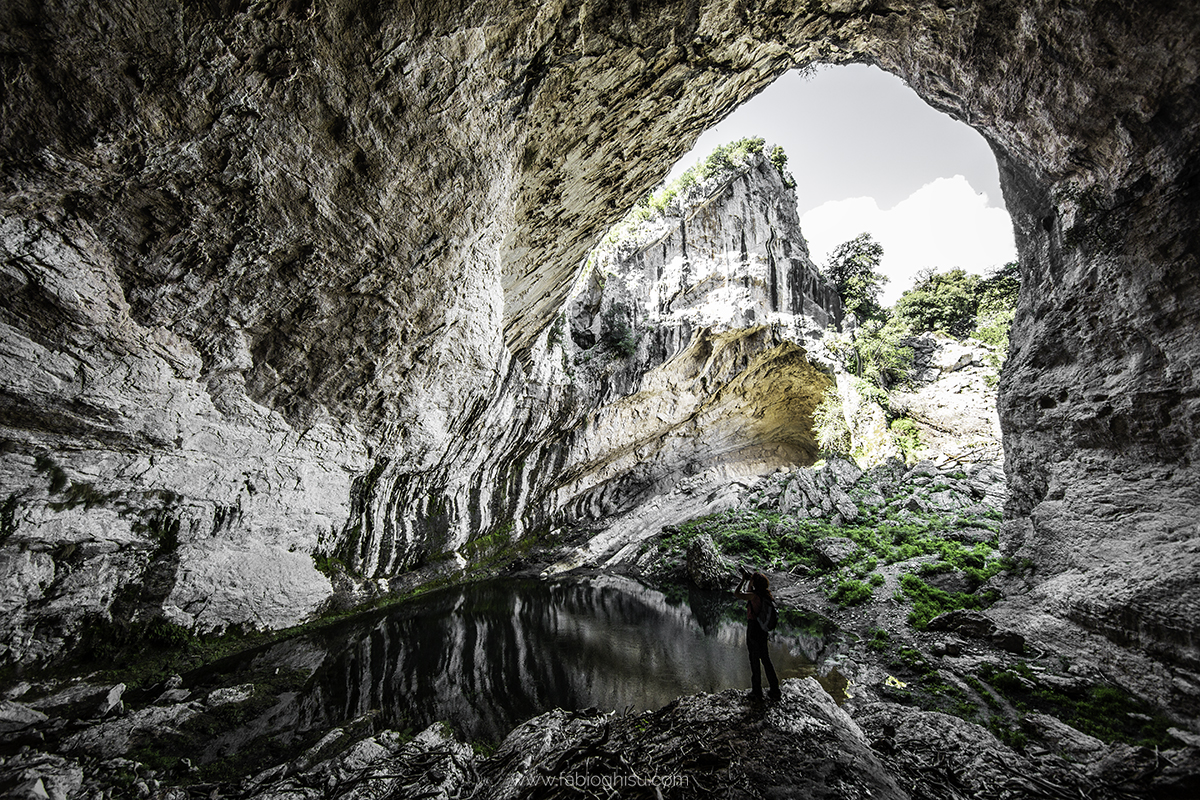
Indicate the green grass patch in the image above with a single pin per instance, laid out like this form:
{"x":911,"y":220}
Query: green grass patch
{"x":878,"y":640}
{"x":929,"y":601}
{"x":851,"y":592}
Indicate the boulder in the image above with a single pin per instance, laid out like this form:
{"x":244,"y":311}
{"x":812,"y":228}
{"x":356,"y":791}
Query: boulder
{"x":705,"y":566}
{"x":970,"y":623}
{"x":842,"y":472}
{"x":1063,"y":738}
{"x":832,"y":551}
{"x":16,"y":716}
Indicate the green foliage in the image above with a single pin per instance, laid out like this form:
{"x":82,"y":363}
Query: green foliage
{"x":875,"y":579}
{"x":555,"y":337}
{"x":879,"y":640}
{"x":1005,"y":732}
{"x":618,"y":330}
{"x":876,"y":356}
{"x":997,"y":308}
{"x":906,"y":435}
{"x":960,"y":304}
{"x":853,"y":270}
{"x":945,"y":301}
{"x":328,"y":565}
{"x":779,"y":160}
{"x":851,"y":592}
{"x":999,"y":290}
{"x":829,"y":424}
{"x":1107,"y":712}
{"x":929,"y":601}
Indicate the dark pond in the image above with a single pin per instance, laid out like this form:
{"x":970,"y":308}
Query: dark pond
{"x":488,"y":656}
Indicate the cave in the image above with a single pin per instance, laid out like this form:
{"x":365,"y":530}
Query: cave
{"x":276,"y":276}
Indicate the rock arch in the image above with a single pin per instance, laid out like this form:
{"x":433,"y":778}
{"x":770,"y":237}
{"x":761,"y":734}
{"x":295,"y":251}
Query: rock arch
{"x":255,"y":254}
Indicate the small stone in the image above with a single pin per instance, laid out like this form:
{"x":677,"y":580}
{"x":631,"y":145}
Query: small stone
{"x":112,"y":702}
{"x":32,"y":789}
{"x":947,"y":647}
{"x":230,"y":694}
{"x":172,"y":696}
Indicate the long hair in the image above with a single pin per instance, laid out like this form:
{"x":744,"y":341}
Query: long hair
{"x":760,"y":584}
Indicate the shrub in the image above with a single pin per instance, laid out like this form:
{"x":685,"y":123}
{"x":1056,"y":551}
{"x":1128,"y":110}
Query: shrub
{"x":617,"y":330}
{"x":941,"y":302}
{"x":907,"y":437}
{"x":851,"y":592}
{"x":878,"y":640}
{"x":929,"y":601}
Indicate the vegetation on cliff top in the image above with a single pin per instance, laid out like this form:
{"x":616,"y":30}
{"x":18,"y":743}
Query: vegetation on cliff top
{"x":723,"y":162}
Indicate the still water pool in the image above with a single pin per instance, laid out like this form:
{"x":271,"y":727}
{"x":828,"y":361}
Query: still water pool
{"x":488,"y":656}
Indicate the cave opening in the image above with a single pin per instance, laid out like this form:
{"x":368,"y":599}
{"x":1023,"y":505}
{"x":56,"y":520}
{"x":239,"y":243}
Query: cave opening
{"x":694,"y":256}
{"x":281,"y":282}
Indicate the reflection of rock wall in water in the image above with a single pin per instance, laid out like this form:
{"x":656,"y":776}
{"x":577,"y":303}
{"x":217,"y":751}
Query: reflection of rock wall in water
{"x":490,"y":656}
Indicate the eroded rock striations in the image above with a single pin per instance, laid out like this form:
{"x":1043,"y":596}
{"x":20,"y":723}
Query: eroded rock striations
{"x":276,"y":278}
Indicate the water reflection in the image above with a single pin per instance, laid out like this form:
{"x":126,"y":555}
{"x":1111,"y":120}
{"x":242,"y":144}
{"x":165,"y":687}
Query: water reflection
{"x":488,"y":656}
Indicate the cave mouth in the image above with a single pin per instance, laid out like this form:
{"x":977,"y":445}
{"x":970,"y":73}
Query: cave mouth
{"x":273,"y":291}
{"x":710,"y":266}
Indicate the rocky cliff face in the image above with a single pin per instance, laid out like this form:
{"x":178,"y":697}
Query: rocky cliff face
{"x":699,"y":331}
{"x":277,"y":274}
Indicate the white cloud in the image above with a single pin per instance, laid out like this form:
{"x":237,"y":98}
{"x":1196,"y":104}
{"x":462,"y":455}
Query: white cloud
{"x":944,"y":224}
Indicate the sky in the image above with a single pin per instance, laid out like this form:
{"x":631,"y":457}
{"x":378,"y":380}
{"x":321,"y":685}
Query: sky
{"x":869,"y":155}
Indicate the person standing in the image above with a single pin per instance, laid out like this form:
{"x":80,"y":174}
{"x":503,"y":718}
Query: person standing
{"x":755,"y":590}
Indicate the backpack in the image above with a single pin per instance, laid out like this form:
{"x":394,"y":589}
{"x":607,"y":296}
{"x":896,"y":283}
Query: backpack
{"x":767,"y":617}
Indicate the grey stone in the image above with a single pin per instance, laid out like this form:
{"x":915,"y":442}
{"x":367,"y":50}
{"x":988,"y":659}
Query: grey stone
{"x":1063,"y":738}
{"x":1008,"y":640}
{"x":834,"y":550}
{"x":229,"y":694}
{"x":705,"y":566}
{"x":172,"y":697}
{"x":844,"y":473}
{"x":112,"y":702}
{"x":952,"y":581}
{"x":36,"y":775}
{"x":965,"y":621}
{"x":16,"y":716}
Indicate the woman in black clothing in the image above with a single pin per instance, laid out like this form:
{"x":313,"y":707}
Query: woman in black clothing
{"x":756,"y":635}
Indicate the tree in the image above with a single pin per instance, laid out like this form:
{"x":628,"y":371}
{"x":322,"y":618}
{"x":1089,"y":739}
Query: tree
{"x":997,"y":307}
{"x":853,"y":269}
{"x":877,"y":356}
{"x":945,"y":301}
{"x":998,"y":291}
{"x":829,"y":425}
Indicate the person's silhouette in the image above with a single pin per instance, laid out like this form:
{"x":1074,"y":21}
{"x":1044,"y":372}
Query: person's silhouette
{"x":756,"y":635}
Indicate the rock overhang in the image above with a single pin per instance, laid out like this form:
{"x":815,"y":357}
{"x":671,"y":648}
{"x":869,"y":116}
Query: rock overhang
{"x":369,"y":205}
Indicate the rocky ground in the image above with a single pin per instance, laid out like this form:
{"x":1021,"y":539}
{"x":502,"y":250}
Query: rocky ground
{"x":938,"y":701}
